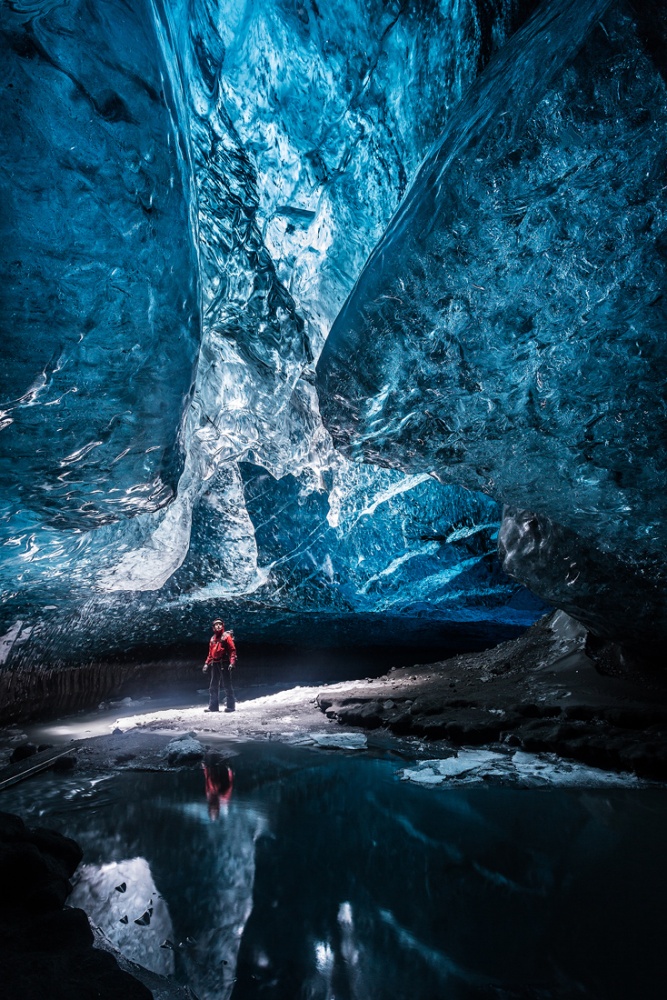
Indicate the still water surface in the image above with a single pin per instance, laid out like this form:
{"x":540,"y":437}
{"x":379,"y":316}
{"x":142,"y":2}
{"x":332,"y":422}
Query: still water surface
{"x":283,"y":873}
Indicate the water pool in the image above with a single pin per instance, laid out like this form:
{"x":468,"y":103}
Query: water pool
{"x":287,"y":873}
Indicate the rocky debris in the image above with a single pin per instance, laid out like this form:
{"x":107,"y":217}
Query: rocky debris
{"x":542,"y":693}
{"x":184,"y":750}
{"x":22,"y":752}
{"x":46,"y":950}
{"x":133,"y":750}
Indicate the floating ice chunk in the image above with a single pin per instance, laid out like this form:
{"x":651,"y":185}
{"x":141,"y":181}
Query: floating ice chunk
{"x":342,"y":741}
{"x":468,"y":760}
{"x":423,"y":777}
{"x":469,"y":763}
{"x":474,"y":766}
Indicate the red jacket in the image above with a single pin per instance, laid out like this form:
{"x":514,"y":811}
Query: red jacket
{"x":222,"y":650}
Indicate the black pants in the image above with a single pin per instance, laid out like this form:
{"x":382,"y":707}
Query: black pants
{"x":219,"y":670}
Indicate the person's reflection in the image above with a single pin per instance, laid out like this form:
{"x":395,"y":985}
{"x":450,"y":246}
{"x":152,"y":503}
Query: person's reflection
{"x":219,"y":781}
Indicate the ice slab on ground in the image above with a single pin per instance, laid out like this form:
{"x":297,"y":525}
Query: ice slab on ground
{"x":517,"y":767}
{"x":340,"y":741}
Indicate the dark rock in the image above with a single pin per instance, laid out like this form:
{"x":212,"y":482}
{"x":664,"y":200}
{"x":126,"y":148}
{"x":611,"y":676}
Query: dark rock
{"x":47,"y":951}
{"x":184,"y":750}
{"x":357,"y":714}
{"x":541,"y":692}
{"x":30,"y":879}
{"x":65,"y":850}
{"x":64,"y":764}
{"x":69,"y":928}
{"x":22,"y":752}
{"x":11,"y":827}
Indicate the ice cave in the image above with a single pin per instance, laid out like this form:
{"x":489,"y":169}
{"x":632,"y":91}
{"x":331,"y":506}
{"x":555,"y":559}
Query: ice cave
{"x":333,"y":430}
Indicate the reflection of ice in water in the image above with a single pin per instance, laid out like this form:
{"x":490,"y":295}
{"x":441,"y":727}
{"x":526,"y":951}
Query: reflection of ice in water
{"x":342,"y":955}
{"x":122,"y":899}
{"x":214,"y":928}
{"x":351,"y":952}
{"x":210,"y":963}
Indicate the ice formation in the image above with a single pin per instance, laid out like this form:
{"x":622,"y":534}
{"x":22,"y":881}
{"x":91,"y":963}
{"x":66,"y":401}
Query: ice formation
{"x":508,"y":331}
{"x":193,"y":188}
{"x":99,"y":300}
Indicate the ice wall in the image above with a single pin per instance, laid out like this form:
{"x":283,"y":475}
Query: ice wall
{"x":99,"y":306}
{"x":508,"y":331}
{"x":209,"y":177}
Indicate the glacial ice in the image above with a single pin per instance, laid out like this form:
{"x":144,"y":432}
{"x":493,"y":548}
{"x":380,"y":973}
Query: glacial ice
{"x":620,"y":599}
{"x":99,"y":302}
{"x":508,"y":331}
{"x":473,"y":766}
{"x":202,"y":182}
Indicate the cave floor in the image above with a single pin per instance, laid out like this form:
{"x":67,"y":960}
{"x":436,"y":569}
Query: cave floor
{"x":540,"y":693}
{"x":451,"y":758}
{"x":535,"y":698}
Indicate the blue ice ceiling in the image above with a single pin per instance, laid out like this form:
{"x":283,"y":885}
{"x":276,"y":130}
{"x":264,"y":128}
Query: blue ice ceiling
{"x":525,"y":270}
{"x":191,"y":191}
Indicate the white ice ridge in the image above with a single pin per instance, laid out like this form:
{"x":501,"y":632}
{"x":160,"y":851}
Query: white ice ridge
{"x":401,"y":486}
{"x":149,"y":565}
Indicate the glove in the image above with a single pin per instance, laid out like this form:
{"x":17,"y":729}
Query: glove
{"x":204,"y":669}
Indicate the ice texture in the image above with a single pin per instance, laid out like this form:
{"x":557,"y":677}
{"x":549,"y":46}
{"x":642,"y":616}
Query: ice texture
{"x":620,"y":599}
{"x":367,"y":541}
{"x":472,"y":767}
{"x":202,"y":182}
{"x":508,"y":331}
{"x":99,"y":306}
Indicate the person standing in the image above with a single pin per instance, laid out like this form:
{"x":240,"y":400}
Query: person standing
{"x":221,"y":660}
